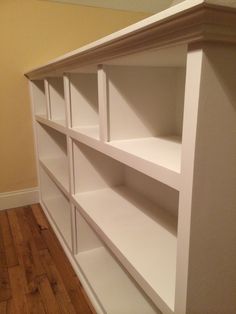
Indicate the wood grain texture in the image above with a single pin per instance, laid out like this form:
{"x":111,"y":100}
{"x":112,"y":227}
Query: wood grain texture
{"x":35,"y":275}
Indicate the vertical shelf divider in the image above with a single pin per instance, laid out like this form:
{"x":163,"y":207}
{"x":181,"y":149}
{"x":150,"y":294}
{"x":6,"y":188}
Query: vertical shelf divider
{"x":66,"y":82}
{"x":103,"y":105}
{"x":48,"y":107}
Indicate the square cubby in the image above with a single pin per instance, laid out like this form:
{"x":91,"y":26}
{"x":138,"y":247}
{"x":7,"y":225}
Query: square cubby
{"x":39,"y":97}
{"x":57,"y":100}
{"x":145,"y":99}
{"x":84,"y":103}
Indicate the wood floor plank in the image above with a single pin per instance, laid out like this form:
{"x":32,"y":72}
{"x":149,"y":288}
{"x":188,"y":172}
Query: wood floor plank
{"x":39,"y":216}
{"x":35,"y":302}
{"x":26,"y":249}
{"x":9,"y":247}
{"x":3,"y":307}
{"x":28,"y":252}
{"x":3,"y":260}
{"x":5,"y":289}
{"x":47,"y":295}
{"x":69,"y":277}
{"x":35,"y":274}
{"x":56,"y":283}
{"x":7,"y":307}
{"x":34,"y":228}
{"x":18,"y":290}
{"x":14,"y":225}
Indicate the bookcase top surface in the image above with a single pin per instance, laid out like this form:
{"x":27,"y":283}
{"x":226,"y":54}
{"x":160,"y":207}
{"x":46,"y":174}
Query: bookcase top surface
{"x":187,"y":22}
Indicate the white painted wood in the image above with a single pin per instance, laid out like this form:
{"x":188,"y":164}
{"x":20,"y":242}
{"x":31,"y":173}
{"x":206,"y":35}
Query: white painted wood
{"x":174,"y":56}
{"x":170,"y":14}
{"x":102,"y":99}
{"x":35,"y":133}
{"x":124,"y":296}
{"x":165,"y":152}
{"x":94,"y":170}
{"x":146,"y":247}
{"x":162,"y":195}
{"x":52,"y":150}
{"x":48,"y":108}
{"x":97,"y":186}
{"x":86,"y":238}
{"x":128,"y":164}
{"x":57,"y":99}
{"x":193,"y":79}
{"x":19,"y":198}
{"x":153,"y":170}
{"x":39,"y":98}
{"x":90,"y":131}
{"x":51,"y":143}
{"x":58,"y":168}
{"x":142,"y":101}
{"x":73,"y":262}
{"x":58,"y":206}
{"x":52,"y":124}
{"x":84,"y":101}
{"x":67,"y":97}
{"x":211,"y":274}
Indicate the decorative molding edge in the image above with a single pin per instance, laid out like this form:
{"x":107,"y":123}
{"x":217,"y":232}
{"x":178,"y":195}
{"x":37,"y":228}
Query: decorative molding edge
{"x":202,"y":22}
{"x":19,"y":198}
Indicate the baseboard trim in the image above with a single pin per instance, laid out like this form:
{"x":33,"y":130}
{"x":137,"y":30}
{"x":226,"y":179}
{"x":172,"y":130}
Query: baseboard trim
{"x":19,"y":198}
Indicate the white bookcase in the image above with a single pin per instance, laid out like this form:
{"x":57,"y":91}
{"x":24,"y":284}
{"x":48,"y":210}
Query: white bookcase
{"x":135,"y":140}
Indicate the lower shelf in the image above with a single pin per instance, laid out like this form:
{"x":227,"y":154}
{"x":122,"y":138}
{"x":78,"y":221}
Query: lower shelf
{"x":60,"y":122}
{"x":142,"y":236}
{"x":111,"y":283}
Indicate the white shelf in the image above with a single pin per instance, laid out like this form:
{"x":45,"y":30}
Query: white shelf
{"x":91,"y":131}
{"x":114,"y":289}
{"x":146,"y":246}
{"x":59,"y":169}
{"x":164,"y":152}
{"x":60,"y":122}
{"x":60,"y":127}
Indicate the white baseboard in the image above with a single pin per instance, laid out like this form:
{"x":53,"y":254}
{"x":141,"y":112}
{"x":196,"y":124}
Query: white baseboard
{"x":19,"y":198}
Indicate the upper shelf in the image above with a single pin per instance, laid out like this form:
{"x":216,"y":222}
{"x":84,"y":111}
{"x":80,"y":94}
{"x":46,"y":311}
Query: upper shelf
{"x":207,"y":20}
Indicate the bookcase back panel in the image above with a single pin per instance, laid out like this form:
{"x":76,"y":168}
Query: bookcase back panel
{"x":39,"y":98}
{"x":56,"y":96}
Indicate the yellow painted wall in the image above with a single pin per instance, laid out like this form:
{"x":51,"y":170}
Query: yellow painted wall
{"x":32,"y":32}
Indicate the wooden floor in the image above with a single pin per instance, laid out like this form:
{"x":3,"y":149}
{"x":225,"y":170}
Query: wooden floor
{"x":35,"y":275}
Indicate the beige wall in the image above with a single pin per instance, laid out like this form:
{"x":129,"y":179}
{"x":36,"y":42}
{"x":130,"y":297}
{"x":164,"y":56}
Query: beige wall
{"x":31,"y":33}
